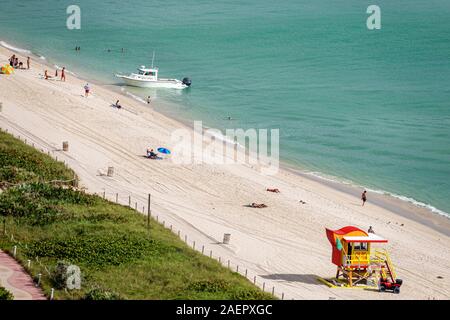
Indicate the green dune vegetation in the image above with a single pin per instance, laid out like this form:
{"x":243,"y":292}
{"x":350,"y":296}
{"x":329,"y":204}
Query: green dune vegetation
{"x":5,"y":294}
{"x":54,"y":225}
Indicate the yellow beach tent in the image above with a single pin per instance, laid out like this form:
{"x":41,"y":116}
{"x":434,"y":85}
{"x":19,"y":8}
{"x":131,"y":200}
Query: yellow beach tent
{"x":7,"y":69}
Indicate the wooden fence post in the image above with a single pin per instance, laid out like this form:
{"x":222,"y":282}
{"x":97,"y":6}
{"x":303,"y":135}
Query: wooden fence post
{"x":149,"y":210}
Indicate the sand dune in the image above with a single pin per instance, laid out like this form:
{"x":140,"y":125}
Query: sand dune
{"x":284,"y":245}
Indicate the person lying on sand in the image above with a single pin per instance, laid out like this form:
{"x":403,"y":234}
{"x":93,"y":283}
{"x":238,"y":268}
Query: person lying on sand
{"x":258,"y":205}
{"x":273,"y":190}
{"x":151,"y":154}
{"x":117,"y":105}
{"x":302,"y":202}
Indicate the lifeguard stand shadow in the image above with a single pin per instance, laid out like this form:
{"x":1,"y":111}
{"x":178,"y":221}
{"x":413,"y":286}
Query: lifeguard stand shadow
{"x":303,"y":278}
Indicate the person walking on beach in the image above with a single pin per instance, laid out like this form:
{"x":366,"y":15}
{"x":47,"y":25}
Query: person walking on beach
{"x":63,"y":74}
{"x":28,"y":63}
{"x":149,"y":99}
{"x":364,"y":197}
{"x":86,"y":90}
{"x":370,"y":230}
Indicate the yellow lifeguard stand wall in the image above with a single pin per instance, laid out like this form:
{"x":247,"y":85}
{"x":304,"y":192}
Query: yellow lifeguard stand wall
{"x":357,"y":263}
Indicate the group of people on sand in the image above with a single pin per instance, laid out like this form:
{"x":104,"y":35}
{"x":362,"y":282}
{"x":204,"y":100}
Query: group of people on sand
{"x":63,"y":74}
{"x":16,"y":64}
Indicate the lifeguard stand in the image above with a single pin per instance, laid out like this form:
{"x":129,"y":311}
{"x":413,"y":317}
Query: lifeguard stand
{"x":358,"y":264}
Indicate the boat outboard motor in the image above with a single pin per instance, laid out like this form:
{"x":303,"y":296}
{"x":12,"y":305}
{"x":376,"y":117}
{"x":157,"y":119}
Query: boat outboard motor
{"x":187,"y":82}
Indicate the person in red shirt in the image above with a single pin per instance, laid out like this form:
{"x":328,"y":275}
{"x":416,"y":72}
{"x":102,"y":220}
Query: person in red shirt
{"x":63,"y":74}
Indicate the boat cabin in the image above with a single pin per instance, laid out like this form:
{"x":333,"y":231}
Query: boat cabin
{"x":148,"y":72}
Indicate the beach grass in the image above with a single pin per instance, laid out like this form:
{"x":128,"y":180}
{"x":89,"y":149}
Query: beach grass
{"x":119,"y":257}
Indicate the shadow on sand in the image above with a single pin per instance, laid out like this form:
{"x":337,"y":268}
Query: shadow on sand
{"x":303,"y":278}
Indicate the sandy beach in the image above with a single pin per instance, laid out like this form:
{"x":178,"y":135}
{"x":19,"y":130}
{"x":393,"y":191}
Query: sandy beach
{"x":284,"y":245}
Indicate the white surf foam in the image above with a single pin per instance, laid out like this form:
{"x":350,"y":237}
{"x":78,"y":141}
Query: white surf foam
{"x":382,"y":192}
{"x":68,"y":71}
{"x":11,"y":47}
{"x":135,"y":97}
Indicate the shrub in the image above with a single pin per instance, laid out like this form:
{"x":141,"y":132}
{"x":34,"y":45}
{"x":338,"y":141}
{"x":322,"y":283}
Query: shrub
{"x":16,"y":203}
{"x":40,"y":203}
{"x":59,"y":275}
{"x":209,"y":285}
{"x":14,"y":175}
{"x":98,"y":293}
{"x":5,"y":294}
{"x":95,"y":250}
{"x":14,"y":153}
{"x":56,"y":194}
{"x":249,"y":294}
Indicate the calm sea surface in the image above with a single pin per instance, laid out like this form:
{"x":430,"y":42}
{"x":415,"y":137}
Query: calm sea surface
{"x":369,"y":107}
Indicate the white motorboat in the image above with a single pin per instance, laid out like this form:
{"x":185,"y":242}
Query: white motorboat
{"x":148,"y":78}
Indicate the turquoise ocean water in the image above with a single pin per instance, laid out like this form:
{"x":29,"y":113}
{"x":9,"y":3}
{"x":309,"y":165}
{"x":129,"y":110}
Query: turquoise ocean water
{"x":370,"y":107}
